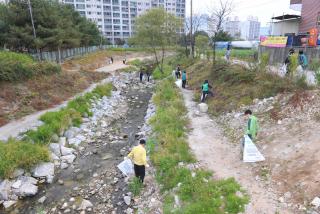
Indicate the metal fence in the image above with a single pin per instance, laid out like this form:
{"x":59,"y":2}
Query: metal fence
{"x":54,"y":56}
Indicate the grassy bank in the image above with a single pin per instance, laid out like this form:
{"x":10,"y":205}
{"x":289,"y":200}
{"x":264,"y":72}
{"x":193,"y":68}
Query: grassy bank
{"x":18,"y":67}
{"x":235,"y":86}
{"x":32,"y":149}
{"x":198,"y":193}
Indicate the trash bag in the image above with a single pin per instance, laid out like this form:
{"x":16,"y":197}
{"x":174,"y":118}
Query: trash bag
{"x":126,"y":167}
{"x":283,"y":70}
{"x":179,"y":83}
{"x":251,"y":153}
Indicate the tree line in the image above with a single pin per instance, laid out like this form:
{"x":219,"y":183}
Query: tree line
{"x":56,"y":26}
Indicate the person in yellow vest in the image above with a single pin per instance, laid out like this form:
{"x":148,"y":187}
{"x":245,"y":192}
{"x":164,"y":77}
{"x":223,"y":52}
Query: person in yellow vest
{"x":139,"y":157}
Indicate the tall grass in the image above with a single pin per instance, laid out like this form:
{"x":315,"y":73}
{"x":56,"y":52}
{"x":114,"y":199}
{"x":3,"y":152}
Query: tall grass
{"x":235,"y":86}
{"x":198,"y":194}
{"x":18,"y":154}
{"x":17,"y":67}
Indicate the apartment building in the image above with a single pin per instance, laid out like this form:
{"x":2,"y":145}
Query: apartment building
{"x":233,"y":27}
{"x":115,"y":18}
{"x":250,"y":29}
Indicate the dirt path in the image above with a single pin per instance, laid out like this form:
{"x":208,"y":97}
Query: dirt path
{"x":215,"y":152}
{"x":14,"y":128}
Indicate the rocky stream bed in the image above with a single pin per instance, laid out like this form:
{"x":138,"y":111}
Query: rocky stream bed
{"x":83,"y":175}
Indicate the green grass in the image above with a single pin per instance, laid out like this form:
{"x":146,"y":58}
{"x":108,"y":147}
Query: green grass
{"x":242,"y":54}
{"x":198,"y":194}
{"x":135,"y":186}
{"x":57,"y":122}
{"x":17,"y":67}
{"x":18,"y":154}
{"x":235,"y":86}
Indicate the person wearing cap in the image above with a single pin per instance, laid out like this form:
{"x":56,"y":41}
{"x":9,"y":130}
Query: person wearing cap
{"x":252,"y":126}
{"x":139,"y":157}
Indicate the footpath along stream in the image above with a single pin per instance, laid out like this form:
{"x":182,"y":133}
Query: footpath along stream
{"x":91,"y":182}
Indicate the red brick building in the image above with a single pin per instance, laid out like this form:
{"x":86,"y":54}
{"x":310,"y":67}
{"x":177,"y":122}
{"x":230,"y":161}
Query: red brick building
{"x":310,"y":14}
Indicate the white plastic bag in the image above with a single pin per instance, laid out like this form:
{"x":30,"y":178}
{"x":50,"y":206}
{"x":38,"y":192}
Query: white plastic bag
{"x":179,"y":83}
{"x":283,"y":70}
{"x":126,"y":167}
{"x":251,"y":153}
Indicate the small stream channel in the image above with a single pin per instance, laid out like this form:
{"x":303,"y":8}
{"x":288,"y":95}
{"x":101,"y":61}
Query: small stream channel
{"x":94,"y":176}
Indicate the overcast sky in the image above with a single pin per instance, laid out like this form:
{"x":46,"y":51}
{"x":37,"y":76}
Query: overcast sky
{"x":263,"y":9}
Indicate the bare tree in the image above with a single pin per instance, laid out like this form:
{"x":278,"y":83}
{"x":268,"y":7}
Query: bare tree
{"x":191,"y":28}
{"x":218,"y":16}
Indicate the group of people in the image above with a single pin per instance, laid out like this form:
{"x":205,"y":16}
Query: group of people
{"x":181,"y":75}
{"x":302,"y":60}
{"x":145,"y":71}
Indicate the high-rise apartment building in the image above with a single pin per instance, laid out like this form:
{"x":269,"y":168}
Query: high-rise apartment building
{"x":250,"y":29}
{"x":233,"y":27}
{"x":115,"y":18}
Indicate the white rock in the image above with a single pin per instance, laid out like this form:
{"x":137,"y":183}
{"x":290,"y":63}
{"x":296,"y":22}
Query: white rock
{"x":63,"y":141}
{"x":54,"y":157}
{"x":72,"y":199}
{"x":127,"y":200}
{"x":68,"y":158}
{"x":203,"y":107}
{"x":316,"y":202}
{"x":42,"y":199}
{"x":17,"y":184}
{"x":55,"y":148}
{"x":44,"y":170}
{"x":85,"y":204}
{"x":129,"y":211}
{"x":74,"y":141}
{"x":8,"y":204}
{"x":66,"y":151}
{"x":26,"y":189}
{"x":63,"y":165}
{"x":176,"y":201}
{"x":17,"y":173}
{"x":64,"y":206}
{"x":5,"y":187}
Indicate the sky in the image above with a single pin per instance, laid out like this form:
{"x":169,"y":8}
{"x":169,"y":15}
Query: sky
{"x":263,"y":9}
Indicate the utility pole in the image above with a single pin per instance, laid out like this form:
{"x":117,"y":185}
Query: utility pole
{"x":191,"y":33}
{"x":33,"y":28}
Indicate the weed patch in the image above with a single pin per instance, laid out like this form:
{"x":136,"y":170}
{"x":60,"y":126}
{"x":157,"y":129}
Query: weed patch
{"x":18,"y":154}
{"x":197,"y":192}
{"x":236,"y":86}
{"x":135,"y":186}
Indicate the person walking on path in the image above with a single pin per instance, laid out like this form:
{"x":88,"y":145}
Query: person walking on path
{"x":141,"y":74}
{"x":178,"y":74}
{"x":205,"y":90}
{"x":252,"y":125}
{"x":303,"y":61}
{"x":184,"y":78}
{"x":287,"y":61}
{"x":228,"y":52}
{"x":111,"y":60}
{"x":148,"y":75}
{"x":139,"y":157}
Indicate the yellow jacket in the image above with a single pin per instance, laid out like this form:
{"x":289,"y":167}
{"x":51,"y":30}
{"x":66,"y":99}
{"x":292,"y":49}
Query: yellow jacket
{"x":138,"y":155}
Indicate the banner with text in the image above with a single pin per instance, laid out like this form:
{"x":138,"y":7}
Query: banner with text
{"x":274,"y":41}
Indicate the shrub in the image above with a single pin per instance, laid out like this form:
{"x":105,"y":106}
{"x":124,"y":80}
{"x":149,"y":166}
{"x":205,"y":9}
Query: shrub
{"x":264,"y":60}
{"x":18,"y":154}
{"x":318,"y":77}
{"x":16,"y":67}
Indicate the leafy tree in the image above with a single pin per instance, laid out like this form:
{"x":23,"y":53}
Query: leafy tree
{"x":57,"y":26}
{"x":157,"y":29}
{"x":223,"y":36}
{"x":202,"y":43}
